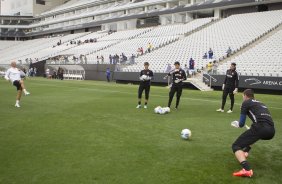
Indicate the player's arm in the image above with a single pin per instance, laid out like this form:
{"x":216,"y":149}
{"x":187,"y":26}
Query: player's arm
{"x":236,"y":83}
{"x":237,"y":80}
{"x":169,"y":74}
{"x":243,"y":116}
{"x":151,"y":75}
{"x":224,"y":82}
{"x":7,"y":75}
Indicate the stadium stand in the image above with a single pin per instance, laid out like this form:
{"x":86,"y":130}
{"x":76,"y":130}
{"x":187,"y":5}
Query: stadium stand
{"x":7,"y":44}
{"x":263,"y":59}
{"x":159,"y":36}
{"x":236,"y":31}
{"x":37,"y":48}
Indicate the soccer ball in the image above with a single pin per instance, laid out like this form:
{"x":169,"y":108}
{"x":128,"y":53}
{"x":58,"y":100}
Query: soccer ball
{"x":144,"y":77}
{"x":166,"y":109}
{"x":158,"y":109}
{"x":186,"y":134}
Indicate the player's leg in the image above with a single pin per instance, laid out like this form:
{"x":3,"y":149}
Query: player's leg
{"x":231,"y":95}
{"x":19,"y":92}
{"x":171,"y":94}
{"x":147,"y":93}
{"x":239,"y":147}
{"x":224,"y":96}
{"x":178,"y":95}
{"x":23,"y":87}
{"x":140,"y":91}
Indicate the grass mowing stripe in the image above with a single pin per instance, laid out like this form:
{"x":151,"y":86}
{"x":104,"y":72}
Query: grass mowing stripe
{"x":162,"y":96}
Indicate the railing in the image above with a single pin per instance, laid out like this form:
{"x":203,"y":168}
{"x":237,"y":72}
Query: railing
{"x":209,"y":78}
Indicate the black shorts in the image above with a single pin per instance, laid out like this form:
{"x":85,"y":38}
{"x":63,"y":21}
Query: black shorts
{"x":17,"y":84}
{"x":141,"y":89}
{"x":249,"y":137}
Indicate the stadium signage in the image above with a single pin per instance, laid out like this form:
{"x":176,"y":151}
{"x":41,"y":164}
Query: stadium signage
{"x":259,"y":82}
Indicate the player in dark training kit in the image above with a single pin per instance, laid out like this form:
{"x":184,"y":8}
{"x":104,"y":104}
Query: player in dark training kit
{"x":230,"y":86}
{"x":178,"y":75}
{"x":146,"y":76}
{"x":262,"y":128}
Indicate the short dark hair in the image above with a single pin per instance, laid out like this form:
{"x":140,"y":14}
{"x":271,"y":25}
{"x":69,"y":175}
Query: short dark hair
{"x":146,"y":63}
{"x":249,"y":93}
{"x":176,"y":63}
{"x":234,"y":64}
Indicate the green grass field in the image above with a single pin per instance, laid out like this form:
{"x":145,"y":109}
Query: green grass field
{"x":86,"y":132}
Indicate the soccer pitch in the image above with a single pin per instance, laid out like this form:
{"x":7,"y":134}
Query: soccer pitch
{"x":86,"y":132}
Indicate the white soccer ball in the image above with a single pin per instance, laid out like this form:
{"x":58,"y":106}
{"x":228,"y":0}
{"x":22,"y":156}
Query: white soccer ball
{"x":186,"y":134}
{"x":162,"y":111}
{"x":157,"y":110}
{"x":166,"y":109}
{"x":144,"y":77}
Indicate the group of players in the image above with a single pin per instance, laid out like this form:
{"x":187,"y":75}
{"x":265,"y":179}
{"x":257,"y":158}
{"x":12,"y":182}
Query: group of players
{"x":262,"y":127}
{"x":178,"y":76}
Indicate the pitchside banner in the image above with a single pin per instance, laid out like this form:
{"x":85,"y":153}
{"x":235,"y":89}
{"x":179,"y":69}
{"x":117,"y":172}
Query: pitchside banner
{"x":272,"y":83}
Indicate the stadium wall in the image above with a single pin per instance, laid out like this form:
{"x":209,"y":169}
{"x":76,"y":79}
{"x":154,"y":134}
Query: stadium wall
{"x":97,"y":72}
{"x":254,"y":82}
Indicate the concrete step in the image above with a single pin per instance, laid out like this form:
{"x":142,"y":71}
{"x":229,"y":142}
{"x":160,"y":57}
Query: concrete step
{"x":198,"y":83}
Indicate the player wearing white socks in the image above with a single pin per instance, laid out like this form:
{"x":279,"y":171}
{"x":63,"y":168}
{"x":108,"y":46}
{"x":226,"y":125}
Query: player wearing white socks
{"x":14,"y":74}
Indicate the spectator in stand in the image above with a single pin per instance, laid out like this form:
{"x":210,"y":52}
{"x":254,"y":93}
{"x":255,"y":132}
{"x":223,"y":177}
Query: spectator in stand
{"x":141,"y":51}
{"x":205,"y":56}
{"x":111,"y":59}
{"x":98,"y":60}
{"x":150,"y":46}
{"x":132,"y":59}
{"x":85,"y":59}
{"x":81,"y":58}
{"x":214,"y":67}
{"x":191,"y":67}
{"x":123,"y":57}
{"x":186,"y":69}
{"x":117,"y":58}
{"x":108,"y":74}
{"x":54,"y":75}
{"x":138,"y":51}
{"x":61,"y":73}
{"x":209,"y":67}
{"x":168,"y":68}
{"x":210,"y":54}
{"x":66,"y":59}
{"x":31,"y":72}
{"x":34,"y":71}
{"x":47,"y":73}
{"x":114,"y":59}
{"x":229,"y":51}
{"x":102,"y":59}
